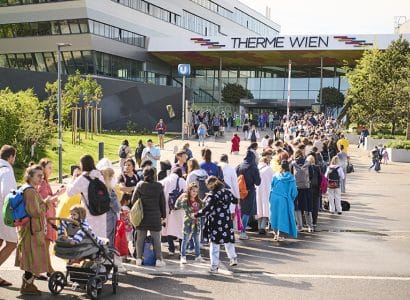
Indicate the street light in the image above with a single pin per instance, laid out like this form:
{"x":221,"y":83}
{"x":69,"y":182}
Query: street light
{"x":60,"y":140}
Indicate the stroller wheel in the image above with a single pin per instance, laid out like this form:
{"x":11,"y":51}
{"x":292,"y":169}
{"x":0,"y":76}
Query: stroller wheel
{"x":56,"y":283}
{"x":94,"y":287}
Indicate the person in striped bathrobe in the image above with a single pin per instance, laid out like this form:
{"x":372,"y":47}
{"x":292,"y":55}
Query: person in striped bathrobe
{"x":32,"y":255}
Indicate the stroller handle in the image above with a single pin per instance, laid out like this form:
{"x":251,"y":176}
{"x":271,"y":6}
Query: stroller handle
{"x":62,"y":219}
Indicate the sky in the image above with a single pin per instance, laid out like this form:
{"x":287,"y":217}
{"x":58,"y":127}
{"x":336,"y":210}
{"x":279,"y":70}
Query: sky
{"x":333,"y":17}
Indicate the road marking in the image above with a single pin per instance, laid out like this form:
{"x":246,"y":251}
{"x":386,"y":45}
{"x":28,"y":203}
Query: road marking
{"x":360,"y":277}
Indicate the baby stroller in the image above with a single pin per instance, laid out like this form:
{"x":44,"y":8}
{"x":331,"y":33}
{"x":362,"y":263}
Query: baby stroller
{"x":96,"y":269}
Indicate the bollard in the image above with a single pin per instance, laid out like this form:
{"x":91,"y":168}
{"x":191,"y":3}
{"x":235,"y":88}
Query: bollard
{"x":100,"y":150}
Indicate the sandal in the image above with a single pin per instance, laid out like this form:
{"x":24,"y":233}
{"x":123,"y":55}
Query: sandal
{"x":4,"y":283}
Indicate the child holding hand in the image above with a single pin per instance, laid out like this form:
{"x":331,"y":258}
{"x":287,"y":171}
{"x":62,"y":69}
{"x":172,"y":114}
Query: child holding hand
{"x":190,"y":202}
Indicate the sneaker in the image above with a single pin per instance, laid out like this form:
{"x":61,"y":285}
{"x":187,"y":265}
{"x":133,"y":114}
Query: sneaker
{"x":171,"y":253}
{"x":183,"y":260}
{"x":199,"y":259}
{"x":160,"y":263}
{"x":213,"y":269}
{"x":243,"y":236}
{"x":309,"y":229}
{"x":233,"y":262}
{"x":339,"y":213}
{"x":138,"y":262}
{"x":190,"y":251}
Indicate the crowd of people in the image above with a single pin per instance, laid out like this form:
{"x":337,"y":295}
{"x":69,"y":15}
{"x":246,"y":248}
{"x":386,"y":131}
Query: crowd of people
{"x":191,"y":201}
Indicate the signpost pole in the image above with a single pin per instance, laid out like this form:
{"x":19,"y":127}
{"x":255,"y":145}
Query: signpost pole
{"x":288,"y":103}
{"x":183,"y":106}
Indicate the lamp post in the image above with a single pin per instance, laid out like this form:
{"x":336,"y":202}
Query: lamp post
{"x":60,"y":140}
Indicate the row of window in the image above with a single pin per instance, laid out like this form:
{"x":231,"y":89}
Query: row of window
{"x":211,"y":5}
{"x":188,"y":20}
{"x":75,"y":26}
{"x":24,"y":2}
{"x":152,"y":10}
{"x":239,"y":17}
{"x":87,"y":62}
{"x":253,"y":24}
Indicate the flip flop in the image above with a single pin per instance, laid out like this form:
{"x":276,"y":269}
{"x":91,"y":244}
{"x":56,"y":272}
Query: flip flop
{"x":4,"y":283}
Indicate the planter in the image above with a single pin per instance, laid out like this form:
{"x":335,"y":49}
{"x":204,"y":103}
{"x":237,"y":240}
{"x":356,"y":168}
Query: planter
{"x":399,"y":155}
{"x":370,"y":142}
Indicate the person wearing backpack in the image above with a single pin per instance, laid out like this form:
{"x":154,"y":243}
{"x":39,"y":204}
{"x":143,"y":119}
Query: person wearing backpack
{"x":174,"y":185}
{"x":80,"y":183}
{"x":334,"y":174}
{"x":249,"y":170}
{"x":151,"y":194}
{"x":123,"y":152}
{"x":303,"y":202}
{"x":8,"y":234}
{"x":32,"y":255}
{"x":138,"y":153}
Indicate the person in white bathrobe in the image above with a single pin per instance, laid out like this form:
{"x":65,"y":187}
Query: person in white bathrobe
{"x":79,"y":184}
{"x":174,"y":222}
{"x":263,"y":193}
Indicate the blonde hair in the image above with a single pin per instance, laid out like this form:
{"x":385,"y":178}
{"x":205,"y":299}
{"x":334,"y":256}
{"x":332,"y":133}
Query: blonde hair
{"x":108,"y":174}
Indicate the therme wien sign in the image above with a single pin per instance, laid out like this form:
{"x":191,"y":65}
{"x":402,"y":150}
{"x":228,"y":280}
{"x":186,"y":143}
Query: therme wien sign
{"x":281,"y":42}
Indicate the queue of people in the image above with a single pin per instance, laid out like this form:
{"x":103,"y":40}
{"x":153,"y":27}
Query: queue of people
{"x":197,"y":201}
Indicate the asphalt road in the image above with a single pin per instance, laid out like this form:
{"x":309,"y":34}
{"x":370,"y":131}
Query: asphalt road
{"x":362,"y":254}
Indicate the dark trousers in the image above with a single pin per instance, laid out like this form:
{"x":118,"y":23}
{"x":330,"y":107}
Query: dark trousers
{"x":171,"y":244}
{"x":316,"y":205}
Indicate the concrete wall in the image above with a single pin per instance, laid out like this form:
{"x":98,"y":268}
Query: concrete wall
{"x":123,"y":100}
{"x":399,"y":155}
{"x":370,"y":142}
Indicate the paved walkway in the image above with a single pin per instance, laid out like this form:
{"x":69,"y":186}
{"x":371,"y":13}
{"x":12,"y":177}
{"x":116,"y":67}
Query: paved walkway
{"x":368,"y":193}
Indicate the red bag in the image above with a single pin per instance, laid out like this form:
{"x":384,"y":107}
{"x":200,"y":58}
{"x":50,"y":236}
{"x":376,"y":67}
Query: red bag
{"x":121,"y":242}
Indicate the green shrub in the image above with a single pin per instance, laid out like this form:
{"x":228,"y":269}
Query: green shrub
{"x":399,"y":145}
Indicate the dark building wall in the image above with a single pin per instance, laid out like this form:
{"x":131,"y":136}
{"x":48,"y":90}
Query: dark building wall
{"x":123,"y":100}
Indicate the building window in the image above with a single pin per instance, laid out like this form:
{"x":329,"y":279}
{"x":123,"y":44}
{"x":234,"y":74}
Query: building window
{"x":25,"y":2}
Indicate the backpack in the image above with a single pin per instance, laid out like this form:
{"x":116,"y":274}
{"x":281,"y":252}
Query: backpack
{"x":138,"y":152}
{"x":137,"y":213}
{"x":122,"y":153}
{"x":201,"y":131}
{"x":324,"y":183}
{"x":253,"y":136}
{"x":14,"y":208}
{"x":98,"y":197}
{"x":174,"y":195}
{"x":301,"y":174}
{"x":243,"y":189}
{"x":203,"y":189}
{"x":334,"y":178}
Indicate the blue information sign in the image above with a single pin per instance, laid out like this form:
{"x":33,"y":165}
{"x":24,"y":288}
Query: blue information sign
{"x":184,"y":69}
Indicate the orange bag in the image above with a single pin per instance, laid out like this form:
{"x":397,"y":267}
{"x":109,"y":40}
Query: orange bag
{"x":243,"y":190}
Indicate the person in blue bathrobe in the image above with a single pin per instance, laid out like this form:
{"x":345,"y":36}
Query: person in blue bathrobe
{"x":283,"y":193}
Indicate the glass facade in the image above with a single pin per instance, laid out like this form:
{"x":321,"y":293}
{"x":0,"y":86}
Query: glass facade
{"x":188,"y":20}
{"x":253,"y":24}
{"x":152,"y":10}
{"x":75,"y":26}
{"x":87,"y":62}
{"x":200,"y":25}
{"x":24,"y":2}
{"x":267,"y":83}
{"x":239,"y":17}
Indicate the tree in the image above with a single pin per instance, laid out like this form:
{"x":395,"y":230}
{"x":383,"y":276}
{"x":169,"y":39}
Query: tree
{"x":232,"y":93}
{"x":331,"y":97}
{"x":379,"y":86}
{"x":22,"y":123}
{"x":76,"y":88}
